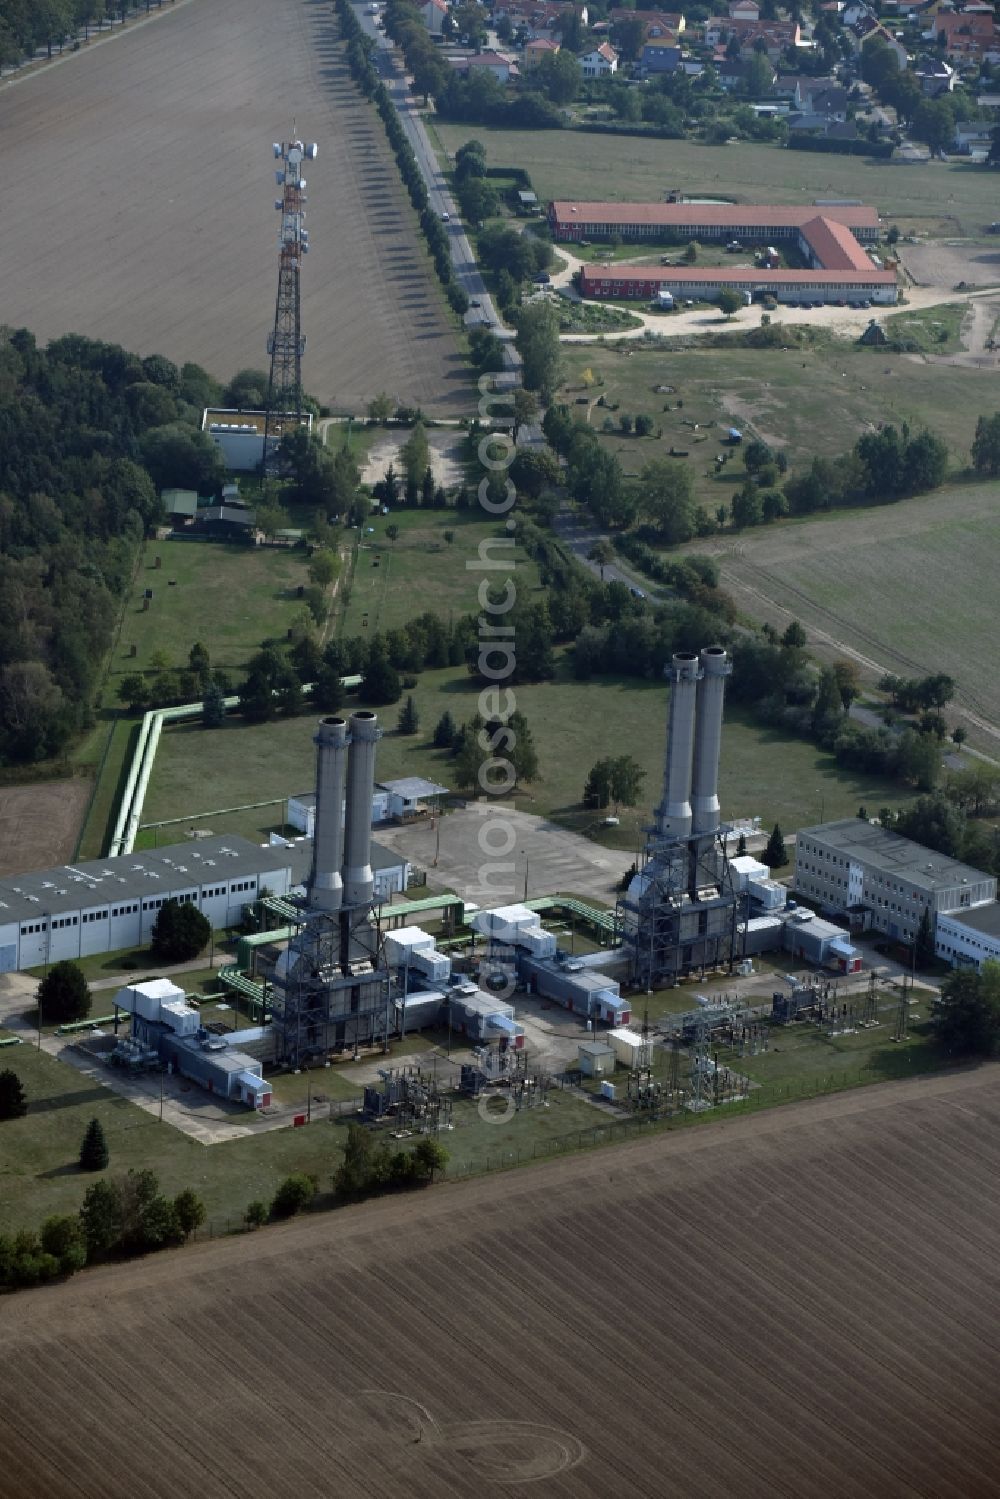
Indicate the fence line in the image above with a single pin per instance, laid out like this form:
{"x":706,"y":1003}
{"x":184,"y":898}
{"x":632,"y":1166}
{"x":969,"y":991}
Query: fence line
{"x":611,"y":1131}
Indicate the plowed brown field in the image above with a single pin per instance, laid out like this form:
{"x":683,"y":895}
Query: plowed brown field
{"x":137,"y":187}
{"x":801,"y":1304}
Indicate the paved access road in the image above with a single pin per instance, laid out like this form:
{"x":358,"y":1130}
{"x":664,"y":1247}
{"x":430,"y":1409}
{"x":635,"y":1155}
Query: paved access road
{"x":390,"y":68}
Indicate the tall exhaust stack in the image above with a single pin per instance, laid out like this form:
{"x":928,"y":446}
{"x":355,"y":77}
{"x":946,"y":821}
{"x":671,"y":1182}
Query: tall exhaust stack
{"x":715,"y":668}
{"x":359,"y":882}
{"x":326,"y":883}
{"x":673,"y":815}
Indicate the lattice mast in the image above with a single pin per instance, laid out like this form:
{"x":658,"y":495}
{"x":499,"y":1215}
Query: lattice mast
{"x":286,"y":343}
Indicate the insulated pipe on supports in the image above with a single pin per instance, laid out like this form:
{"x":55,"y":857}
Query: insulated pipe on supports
{"x":673,"y":815}
{"x":326,"y":881}
{"x":715,"y":668}
{"x":359,"y":882}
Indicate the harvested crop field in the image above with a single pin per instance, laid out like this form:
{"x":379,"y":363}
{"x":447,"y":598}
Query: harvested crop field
{"x":903,"y":588}
{"x":801,"y":1304}
{"x":39,"y":823}
{"x":150,"y":222}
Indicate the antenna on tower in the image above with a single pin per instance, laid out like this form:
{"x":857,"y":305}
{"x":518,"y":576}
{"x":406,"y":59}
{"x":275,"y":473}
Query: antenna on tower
{"x":286,"y":343}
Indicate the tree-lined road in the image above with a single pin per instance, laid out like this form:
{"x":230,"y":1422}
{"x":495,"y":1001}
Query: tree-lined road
{"x":390,"y":70}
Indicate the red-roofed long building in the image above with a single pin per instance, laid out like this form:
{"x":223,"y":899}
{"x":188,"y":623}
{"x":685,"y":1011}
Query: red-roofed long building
{"x":828,"y":238}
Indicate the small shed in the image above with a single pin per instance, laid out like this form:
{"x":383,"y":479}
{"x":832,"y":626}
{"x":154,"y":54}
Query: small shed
{"x":596,"y":1059}
{"x":180,"y":504}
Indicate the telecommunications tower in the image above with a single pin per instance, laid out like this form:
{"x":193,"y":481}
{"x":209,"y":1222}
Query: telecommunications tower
{"x":286,"y":343}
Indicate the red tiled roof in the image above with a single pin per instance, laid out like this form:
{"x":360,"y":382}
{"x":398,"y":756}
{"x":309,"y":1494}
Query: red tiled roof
{"x":737,"y":216}
{"x":834,"y":245}
{"x":652,"y":276}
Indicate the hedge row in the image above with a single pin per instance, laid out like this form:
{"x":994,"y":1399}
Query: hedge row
{"x":880,"y":150}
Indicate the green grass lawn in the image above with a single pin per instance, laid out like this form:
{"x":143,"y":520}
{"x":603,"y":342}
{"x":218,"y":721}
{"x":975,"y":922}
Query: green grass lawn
{"x":932,"y":330}
{"x":762,"y":774}
{"x":420,"y":570}
{"x":39,"y":1175}
{"x":567,"y":164}
{"x":815,"y":399}
{"x":228,"y":596}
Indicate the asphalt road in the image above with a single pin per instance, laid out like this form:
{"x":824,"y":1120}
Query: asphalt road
{"x":390,"y":68}
{"x":579,"y":534}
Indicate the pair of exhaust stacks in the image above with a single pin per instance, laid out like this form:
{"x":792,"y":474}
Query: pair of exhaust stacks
{"x":690,"y":802}
{"x":341,"y":877}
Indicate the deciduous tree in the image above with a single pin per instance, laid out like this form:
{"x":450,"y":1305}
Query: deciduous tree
{"x":64,"y":994}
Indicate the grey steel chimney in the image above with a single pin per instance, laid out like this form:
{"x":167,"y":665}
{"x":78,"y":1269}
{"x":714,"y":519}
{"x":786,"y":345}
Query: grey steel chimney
{"x":326,"y":883}
{"x":359,"y":882}
{"x":715,"y":668}
{"x":673,"y":815}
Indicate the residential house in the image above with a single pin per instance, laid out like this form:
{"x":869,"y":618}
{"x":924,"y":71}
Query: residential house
{"x":744,"y":10}
{"x":935,"y":77}
{"x":433,"y":13}
{"x":539,"y":19}
{"x":830,"y":100}
{"x":500,"y":64}
{"x":658,"y":23}
{"x":773,"y":38}
{"x":968,"y":36}
{"x":658,"y":58}
{"x":601,"y":62}
{"x":867,"y":29}
{"x":535,"y":50}
{"x":811,"y":123}
{"x":973,"y":139}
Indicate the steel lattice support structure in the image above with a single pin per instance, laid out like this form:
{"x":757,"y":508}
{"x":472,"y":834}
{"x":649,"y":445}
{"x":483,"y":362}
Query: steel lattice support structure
{"x":286,"y":344}
{"x":679,"y":913}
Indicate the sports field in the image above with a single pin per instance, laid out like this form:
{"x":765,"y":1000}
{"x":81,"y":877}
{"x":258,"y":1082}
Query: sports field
{"x":149,"y":216}
{"x":572,"y":164}
{"x":573,"y":725}
{"x":797,"y":1304}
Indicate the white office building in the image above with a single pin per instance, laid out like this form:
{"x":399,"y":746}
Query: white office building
{"x":882,"y":881}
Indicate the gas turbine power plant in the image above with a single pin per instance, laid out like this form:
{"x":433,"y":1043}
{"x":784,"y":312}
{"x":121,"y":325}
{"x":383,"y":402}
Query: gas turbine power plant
{"x":331,"y":985}
{"x":679,"y":912}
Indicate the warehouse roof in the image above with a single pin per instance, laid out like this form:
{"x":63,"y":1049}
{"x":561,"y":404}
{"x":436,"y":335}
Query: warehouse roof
{"x":298,"y":857}
{"x":101,"y":882}
{"x":985,"y":919}
{"x":867,"y":844}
